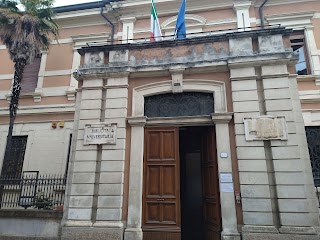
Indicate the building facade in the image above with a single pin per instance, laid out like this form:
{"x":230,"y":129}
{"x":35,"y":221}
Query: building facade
{"x":198,"y":138}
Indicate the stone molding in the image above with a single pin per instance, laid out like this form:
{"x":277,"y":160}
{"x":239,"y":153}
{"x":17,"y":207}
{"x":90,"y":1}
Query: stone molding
{"x":179,"y":121}
{"x":221,"y":117}
{"x":137,"y":121}
{"x":215,"y":87}
{"x":298,"y":230}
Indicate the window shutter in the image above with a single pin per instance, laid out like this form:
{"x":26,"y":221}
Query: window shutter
{"x":30,"y":76}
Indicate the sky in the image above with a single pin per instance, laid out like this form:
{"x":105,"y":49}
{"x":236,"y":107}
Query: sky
{"x":59,"y":3}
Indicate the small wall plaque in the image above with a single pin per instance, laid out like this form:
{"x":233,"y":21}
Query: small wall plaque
{"x":226,"y":177}
{"x":265,"y":128}
{"x":100,"y":133}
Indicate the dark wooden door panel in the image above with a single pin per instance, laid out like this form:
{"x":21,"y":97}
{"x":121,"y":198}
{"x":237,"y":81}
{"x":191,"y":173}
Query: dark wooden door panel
{"x":211,"y":198}
{"x":161,"y":198}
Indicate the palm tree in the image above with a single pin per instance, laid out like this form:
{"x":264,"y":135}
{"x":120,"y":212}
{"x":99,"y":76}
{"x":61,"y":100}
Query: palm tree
{"x":25,"y":29}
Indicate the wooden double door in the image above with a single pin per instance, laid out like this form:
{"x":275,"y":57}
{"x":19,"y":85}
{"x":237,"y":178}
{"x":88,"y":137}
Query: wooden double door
{"x":162,"y":196}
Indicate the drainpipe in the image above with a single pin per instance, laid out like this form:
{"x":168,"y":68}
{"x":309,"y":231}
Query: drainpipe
{"x":261,"y":13}
{"x":105,"y":17}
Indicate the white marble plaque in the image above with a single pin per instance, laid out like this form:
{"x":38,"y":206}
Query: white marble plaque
{"x":100,"y":133}
{"x":265,"y":128}
{"x":226,"y":187}
{"x":226,"y":177}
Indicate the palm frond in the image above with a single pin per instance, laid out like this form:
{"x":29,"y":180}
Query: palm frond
{"x":27,"y":32}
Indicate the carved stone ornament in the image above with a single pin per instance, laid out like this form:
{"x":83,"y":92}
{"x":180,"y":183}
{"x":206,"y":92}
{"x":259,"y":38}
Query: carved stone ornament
{"x":94,"y":59}
{"x":118,"y":56}
{"x":265,"y":128}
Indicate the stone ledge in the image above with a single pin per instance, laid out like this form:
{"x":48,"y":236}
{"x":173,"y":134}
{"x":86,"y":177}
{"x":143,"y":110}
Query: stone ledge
{"x":27,"y":238}
{"x":77,"y":233}
{"x":259,"y":236}
{"x":21,"y":213}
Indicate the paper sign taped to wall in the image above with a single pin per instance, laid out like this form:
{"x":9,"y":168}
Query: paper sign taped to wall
{"x":226,"y":187}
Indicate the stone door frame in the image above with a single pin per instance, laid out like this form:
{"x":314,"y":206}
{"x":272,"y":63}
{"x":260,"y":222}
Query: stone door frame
{"x":138,"y":121}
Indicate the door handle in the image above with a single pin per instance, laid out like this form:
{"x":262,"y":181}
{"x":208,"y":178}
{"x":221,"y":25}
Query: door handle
{"x":160,"y":199}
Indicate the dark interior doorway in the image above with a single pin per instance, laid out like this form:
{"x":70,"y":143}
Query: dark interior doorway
{"x":191,"y":196}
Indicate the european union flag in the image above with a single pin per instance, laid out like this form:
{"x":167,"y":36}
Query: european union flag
{"x":180,"y":31}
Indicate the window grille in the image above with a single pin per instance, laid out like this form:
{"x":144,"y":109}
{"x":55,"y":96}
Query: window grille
{"x":13,"y":161}
{"x":313,"y":139}
{"x":180,"y":104}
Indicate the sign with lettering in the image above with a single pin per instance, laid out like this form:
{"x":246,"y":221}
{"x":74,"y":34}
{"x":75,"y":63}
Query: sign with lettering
{"x":100,"y":133}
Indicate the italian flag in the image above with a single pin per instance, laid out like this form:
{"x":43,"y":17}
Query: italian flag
{"x":155,"y":26}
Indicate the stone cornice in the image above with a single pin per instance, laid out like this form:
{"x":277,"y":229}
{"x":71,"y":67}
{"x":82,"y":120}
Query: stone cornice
{"x":137,"y":121}
{"x":221,"y":117}
{"x":187,"y":41}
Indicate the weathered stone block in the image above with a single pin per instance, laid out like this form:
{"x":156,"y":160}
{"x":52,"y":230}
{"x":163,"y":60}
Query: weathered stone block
{"x":255,"y":191}
{"x":258,"y":218}
{"x":244,"y":107}
{"x":76,"y":233}
{"x":282,"y":93}
{"x":275,"y":83}
{"x":109,"y":214}
{"x":90,"y":104}
{"x":90,"y":114}
{"x":84,"y":166}
{"x":287,"y":191}
{"x":117,"y":93}
{"x":109,"y":201}
{"x":252,"y":165}
{"x":113,"y":103}
{"x":114,"y":155}
{"x":79,"y":213}
{"x":253,"y":178}
{"x":295,"y":219}
{"x":241,"y":47}
{"x":93,"y":83}
{"x":293,"y":205}
{"x":270,"y":44}
{"x":247,"y":153}
{"x":82,"y":189}
{"x":111,"y":177}
{"x":288,"y":152}
{"x":256,"y":205}
{"x":112,"y":166}
{"x":86,"y":155}
{"x":91,"y":94}
{"x":242,"y":72}
{"x":274,"y":70}
{"x":243,"y":85}
{"x":289,"y":165}
{"x":116,"y":113}
{"x":278,"y":105}
{"x":83,"y":177}
{"x":80,"y":201}
{"x":241,"y":96}
{"x":290,"y":178}
{"x":111,"y":189}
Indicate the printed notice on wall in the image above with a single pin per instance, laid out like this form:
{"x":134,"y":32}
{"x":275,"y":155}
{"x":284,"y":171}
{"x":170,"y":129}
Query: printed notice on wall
{"x":101,"y":133}
{"x":226,"y":187}
{"x":226,"y":177}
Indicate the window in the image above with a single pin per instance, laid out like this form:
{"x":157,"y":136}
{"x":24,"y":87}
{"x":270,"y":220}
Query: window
{"x":12,"y":166}
{"x":298,"y":45}
{"x":313,"y":139}
{"x":30,"y":76}
{"x":179,"y":104}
